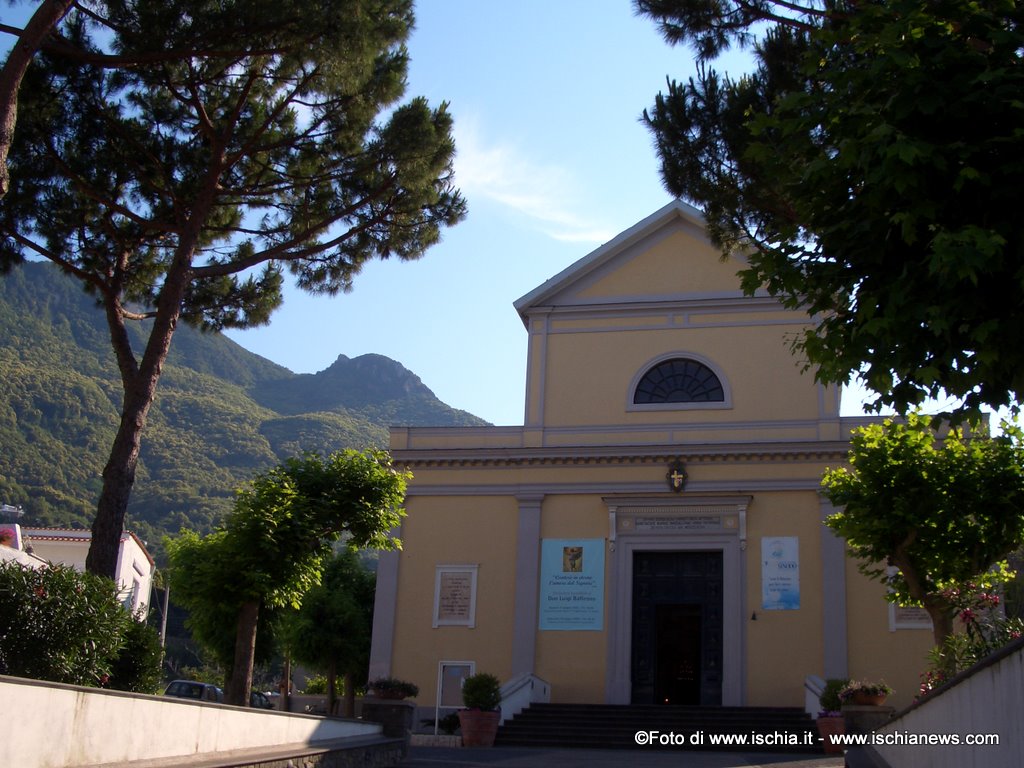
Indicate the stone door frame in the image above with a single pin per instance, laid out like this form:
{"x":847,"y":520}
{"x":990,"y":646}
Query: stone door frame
{"x":675,"y":524}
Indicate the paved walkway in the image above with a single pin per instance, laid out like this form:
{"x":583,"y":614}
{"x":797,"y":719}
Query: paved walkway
{"x":526,"y":757}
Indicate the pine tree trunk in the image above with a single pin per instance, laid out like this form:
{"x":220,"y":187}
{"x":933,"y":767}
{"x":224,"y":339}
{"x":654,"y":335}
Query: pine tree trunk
{"x":240,"y":683}
{"x":139,"y":381}
{"x":43,"y":22}
{"x":118,"y":480}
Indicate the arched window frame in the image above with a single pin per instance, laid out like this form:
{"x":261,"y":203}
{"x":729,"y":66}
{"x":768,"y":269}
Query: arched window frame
{"x":724,"y":403}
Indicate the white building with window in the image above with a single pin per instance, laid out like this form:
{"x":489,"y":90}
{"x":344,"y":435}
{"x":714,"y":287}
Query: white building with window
{"x":70,"y":546}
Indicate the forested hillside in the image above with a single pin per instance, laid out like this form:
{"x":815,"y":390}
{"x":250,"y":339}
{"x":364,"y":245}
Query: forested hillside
{"x":221,"y":412}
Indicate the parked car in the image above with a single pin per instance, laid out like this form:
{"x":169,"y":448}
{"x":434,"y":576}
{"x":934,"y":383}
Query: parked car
{"x":190,"y":689}
{"x":260,"y":700}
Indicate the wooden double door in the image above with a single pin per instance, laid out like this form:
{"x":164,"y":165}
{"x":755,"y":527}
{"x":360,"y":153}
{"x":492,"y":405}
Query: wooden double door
{"x":677,"y":628}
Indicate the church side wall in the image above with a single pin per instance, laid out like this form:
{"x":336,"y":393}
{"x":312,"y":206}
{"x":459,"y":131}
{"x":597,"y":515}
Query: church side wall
{"x":574,"y":662}
{"x":455,"y":530}
{"x":783,"y":646}
{"x":878,"y":651}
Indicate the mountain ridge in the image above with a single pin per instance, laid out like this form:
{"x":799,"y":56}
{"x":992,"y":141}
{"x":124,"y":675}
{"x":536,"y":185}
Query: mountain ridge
{"x":221,"y":413}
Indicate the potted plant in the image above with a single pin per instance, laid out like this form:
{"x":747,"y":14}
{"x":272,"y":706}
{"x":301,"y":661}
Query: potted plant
{"x":830,"y":718}
{"x":388,"y":707}
{"x":864,"y":693}
{"x":481,"y":695}
{"x":392,"y":688}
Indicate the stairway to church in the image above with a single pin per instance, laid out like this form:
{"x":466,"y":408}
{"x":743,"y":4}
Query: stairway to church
{"x":596,"y":726}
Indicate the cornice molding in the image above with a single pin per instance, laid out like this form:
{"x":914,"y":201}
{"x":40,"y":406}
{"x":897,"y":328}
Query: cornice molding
{"x":574,"y":456}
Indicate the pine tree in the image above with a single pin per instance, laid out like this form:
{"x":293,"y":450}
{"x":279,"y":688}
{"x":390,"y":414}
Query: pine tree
{"x":239,"y":141}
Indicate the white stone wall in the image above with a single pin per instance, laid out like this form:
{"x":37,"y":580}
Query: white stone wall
{"x":47,"y":725}
{"x":986,"y":704}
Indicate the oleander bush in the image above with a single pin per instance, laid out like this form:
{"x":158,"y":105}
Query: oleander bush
{"x":68,"y":627}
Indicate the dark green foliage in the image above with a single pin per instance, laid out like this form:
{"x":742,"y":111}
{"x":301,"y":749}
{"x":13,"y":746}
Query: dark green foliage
{"x":393,"y":688}
{"x":871,"y":167}
{"x":332,"y":626}
{"x":138,"y":665}
{"x":271,"y":550}
{"x":316,"y":685}
{"x":212,"y":427}
{"x":331,"y":630}
{"x":448,"y":724}
{"x":205,"y":583}
{"x":830,"y":696}
{"x":481,"y":691}
{"x":61,"y":625}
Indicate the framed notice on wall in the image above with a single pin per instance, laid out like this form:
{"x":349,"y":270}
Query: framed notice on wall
{"x":780,"y":573}
{"x":906,"y":617}
{"x":572,"y":584}
{"x":903,"y":617}
{"x":455,"y":595}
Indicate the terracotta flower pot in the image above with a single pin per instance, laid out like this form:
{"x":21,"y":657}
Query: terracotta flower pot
{"x":390,"y":695}
{"x":828,"y":727}
{"x":478,"y":727}
{"x":868,"y":699}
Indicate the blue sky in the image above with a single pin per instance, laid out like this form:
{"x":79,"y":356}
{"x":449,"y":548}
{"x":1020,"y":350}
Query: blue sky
{"x":553,"y":160}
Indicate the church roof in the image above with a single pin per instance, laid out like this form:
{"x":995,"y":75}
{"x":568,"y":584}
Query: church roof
{"x":668,"y":214}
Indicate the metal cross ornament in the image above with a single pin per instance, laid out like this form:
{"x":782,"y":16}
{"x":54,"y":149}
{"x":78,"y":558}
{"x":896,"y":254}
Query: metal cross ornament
{"x":676,"y":476}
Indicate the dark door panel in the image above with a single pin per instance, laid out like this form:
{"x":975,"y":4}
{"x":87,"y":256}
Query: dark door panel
{"x":677,"y":628}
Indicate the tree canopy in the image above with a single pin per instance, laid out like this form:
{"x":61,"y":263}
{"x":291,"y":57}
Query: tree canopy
{"x":184,"y":155}
{"x":331,"y":631}
{"x":944,"y":513}
{"x":40,"y":27}
{"x":870,"y":167}
{"x":271,"y":549}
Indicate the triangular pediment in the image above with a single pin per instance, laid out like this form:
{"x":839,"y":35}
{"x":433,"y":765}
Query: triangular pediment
{"x":665,"y":257}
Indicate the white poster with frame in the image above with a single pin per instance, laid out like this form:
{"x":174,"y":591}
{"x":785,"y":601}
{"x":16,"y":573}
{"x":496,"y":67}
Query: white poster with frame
{"x":572,"y":584}
{"x":780,"y":573}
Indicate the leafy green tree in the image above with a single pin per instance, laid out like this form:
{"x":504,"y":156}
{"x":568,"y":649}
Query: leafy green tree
{"x":271,"y":549}
{"x":331,"y":631}
{"x":202,"y":569}
{"x":58,"y":624}
{"x":244,"y":140}
{"x":944,"y":513}
{"x":138,"y":666}
{"x":869,"y":166}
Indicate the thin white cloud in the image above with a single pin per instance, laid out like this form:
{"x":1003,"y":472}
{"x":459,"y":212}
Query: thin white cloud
{"x":507,"y":175}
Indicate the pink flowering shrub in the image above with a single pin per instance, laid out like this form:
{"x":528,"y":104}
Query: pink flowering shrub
{"x":986,"y":629}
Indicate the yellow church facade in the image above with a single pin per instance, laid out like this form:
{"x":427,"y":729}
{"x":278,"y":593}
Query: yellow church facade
{"x":653,"y":532}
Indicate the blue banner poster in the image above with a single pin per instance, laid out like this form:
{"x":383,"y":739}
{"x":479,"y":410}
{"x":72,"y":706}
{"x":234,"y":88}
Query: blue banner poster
{"x":780,"y":573}
{"x":572,"y":584}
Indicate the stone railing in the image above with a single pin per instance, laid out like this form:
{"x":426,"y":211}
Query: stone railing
{"x":520,"y":692}
{"x":814,"y":686}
